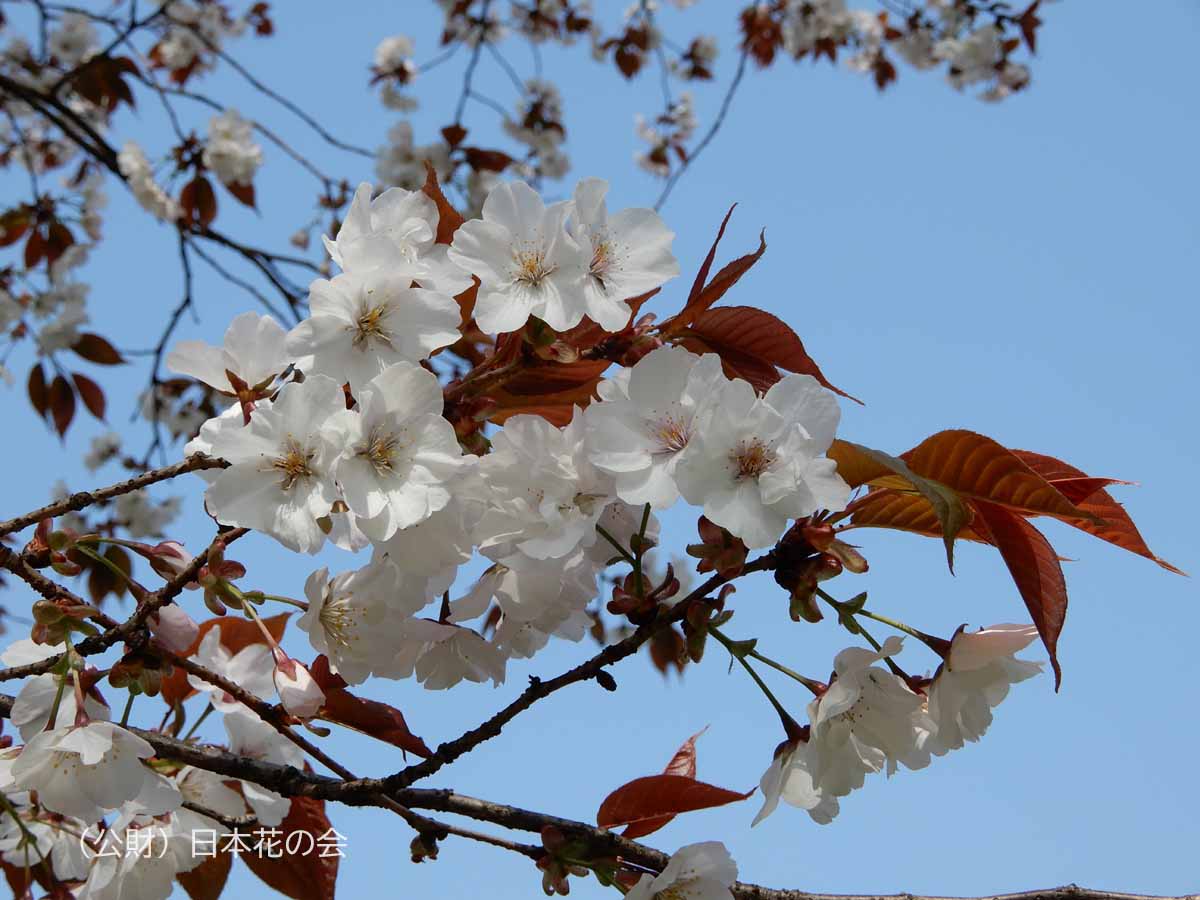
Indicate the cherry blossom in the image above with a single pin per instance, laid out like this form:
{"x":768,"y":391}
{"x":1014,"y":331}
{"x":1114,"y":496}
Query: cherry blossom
{"x":702,"y":871}
{"x":252,"y":355}
{"x":647,"y":418}
{"x":974,"y":679}
{"x":526,"y":262}
{"x":399,"y":454}
{"x":279,"y":478}
{"x":231,"y":151}
{"x":360,"y":324}
{"x":789,"y":778}
{"x":630,"y":253}
{"x":760,"y":460}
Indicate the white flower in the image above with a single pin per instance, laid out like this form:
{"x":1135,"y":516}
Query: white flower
{"x":546,"y":496}
{"x":252,"y":355}
{"x":399,"y":454}
{"x":703,"y":871}
{"x":84,"y":771}
{"x":867,"y":717}
{"x":537,"y":587}
{"x":647,"y":418}
{"x":140,"y":861}
{"x":759,"y":460}
{"x":525,"y":260}
{"x":789,"y":778}
{"x":53,"y":838}
{"x":136,"y":168}
{"x":394,"y":53}
{"x":142,"y":516}
{"x":31,"y":708}
{"x":347,"y":615}
{"x":173,"y":627}
{"x":104,"y":447}
{"x":630,"y":253}
{"x":249,"y":668}
{"x":402,"y":163}
{"x":442,"y":542}
{"x":279,"y":477}
{"x":395,"y":232}
{"x":450,"y":654}
{"x":360,"y":324}
{"x":298,"y":692}
{"x":974,"y":679}
{"x":74,"y":40}
{"x":230,"y":150}
{"x":207,"y":789}
{"x":251,"y":737}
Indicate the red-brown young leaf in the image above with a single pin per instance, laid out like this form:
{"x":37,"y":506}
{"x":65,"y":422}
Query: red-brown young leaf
{"x":693,"y":299}
{"x":62,"y":404}
{"x":449,"y":218}
{"x":90,"y":393}
{"x":979,"y":467}
{"x":1035,"y":569}
{"x":39,"y":395}
{"x":726,"y":278}
{"x":1029,"y":23}
{"x":902,"y":511}
{"x":199,"y":201}
{"x":310,"y":876}
{"x":207,"y":880}
{"x":13,"y":225}
{"x":682,"y":763}
{"x":35,"y":249}
{"x":454,"y":134}
{"x":1112,"y":523}
{"x":58,"y":239}
{"x":98,"y":350}
{"x":656,"y":796}
{"x":370,"y":717}
{"x":754,"y":343}
{"x":487,"y":160}
{"x":243,"y":191}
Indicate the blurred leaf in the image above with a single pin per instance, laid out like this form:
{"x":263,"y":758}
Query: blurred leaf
{"x":91,"y":394}
{"x":62,"y":404}
{"x":97,"y":349}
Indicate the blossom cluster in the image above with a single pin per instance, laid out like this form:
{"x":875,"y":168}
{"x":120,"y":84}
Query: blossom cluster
{"x":359,"y":453}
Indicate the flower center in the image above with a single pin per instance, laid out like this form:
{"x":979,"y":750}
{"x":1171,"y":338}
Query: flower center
{"x":602,"y":260}
{"x":672,"y":433}
{"x":679,"y":891}
{"x":295,"y":463}
{"x":751,"y":458}
{"x":340,"y":621}
{"x":531,"y":268}
{"x":380,"y":450}
{"x":369,"y":326}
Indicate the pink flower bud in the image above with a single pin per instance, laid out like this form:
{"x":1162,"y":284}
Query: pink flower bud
{"x":298,"y":691}
{"x":174,"y":628}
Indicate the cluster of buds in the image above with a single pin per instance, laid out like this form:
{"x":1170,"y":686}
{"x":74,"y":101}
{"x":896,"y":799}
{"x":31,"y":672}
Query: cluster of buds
{"x":702,"y":614}
{"x":54,"y":620}
{"x":808,"y":554}
{"x":138,"y":672}
{"x":718,"y":550}
{"x":215,"y":577}
{"x":565,"y":857}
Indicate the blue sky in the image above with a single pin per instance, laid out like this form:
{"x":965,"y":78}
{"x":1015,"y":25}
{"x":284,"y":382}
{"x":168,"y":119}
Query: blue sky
{"x":1025,"y":270}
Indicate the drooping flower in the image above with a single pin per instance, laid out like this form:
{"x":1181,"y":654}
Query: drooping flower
{"x":231,"y":151}
{"x":630,"y":253}
{"x":86,"y":770}
{"x":760,"y":461}
{"x":868,"y":718}
{"x":252,"y":355}
{"x":251,"y":737}
{"x":399,"y":454}
{"x":442,"y":654}
{"x":250,"y":668}
{"x":647,"y":418}
{"x":702,"y":871}
{"x":360,"y":324}
{"x":526,"y":262}
{"x":974,"y":679}
{"x":279,"y":478}
{"x":789,"y":778}
{"x":298,"y":691}
{"x":32,"y":705}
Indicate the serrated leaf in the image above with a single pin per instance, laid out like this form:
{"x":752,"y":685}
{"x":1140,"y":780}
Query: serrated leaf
{"x":683,"y":763}
{"x":308,"y":876}
{"x":656,"y":796}
{"x":449,"y":218}
{"x":207,"y":880}
{"x":979,"y":467}
{"x":863,"y":462}
{"x":753,"y":344}
{"x":1036,"y":571}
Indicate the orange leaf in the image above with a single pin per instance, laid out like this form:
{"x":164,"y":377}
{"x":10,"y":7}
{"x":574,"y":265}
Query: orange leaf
{"x":754,"y":343}
{"x":656,"y":796}
{"x":980,"y":467}
{"x":449,"y":218}
{"x":903,"y":511}
{"x":370,"y":717}
{"x":308,"y":876}
{"x":1035,"y":569}
{"x":1114,"y":526}
{"x":682,"y":763}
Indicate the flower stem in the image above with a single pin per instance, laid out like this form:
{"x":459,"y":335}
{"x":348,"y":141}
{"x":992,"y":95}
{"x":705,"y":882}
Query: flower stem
{"x":762,"y":686}
{"x":128,"y":709}
{"x":196,"y":725}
